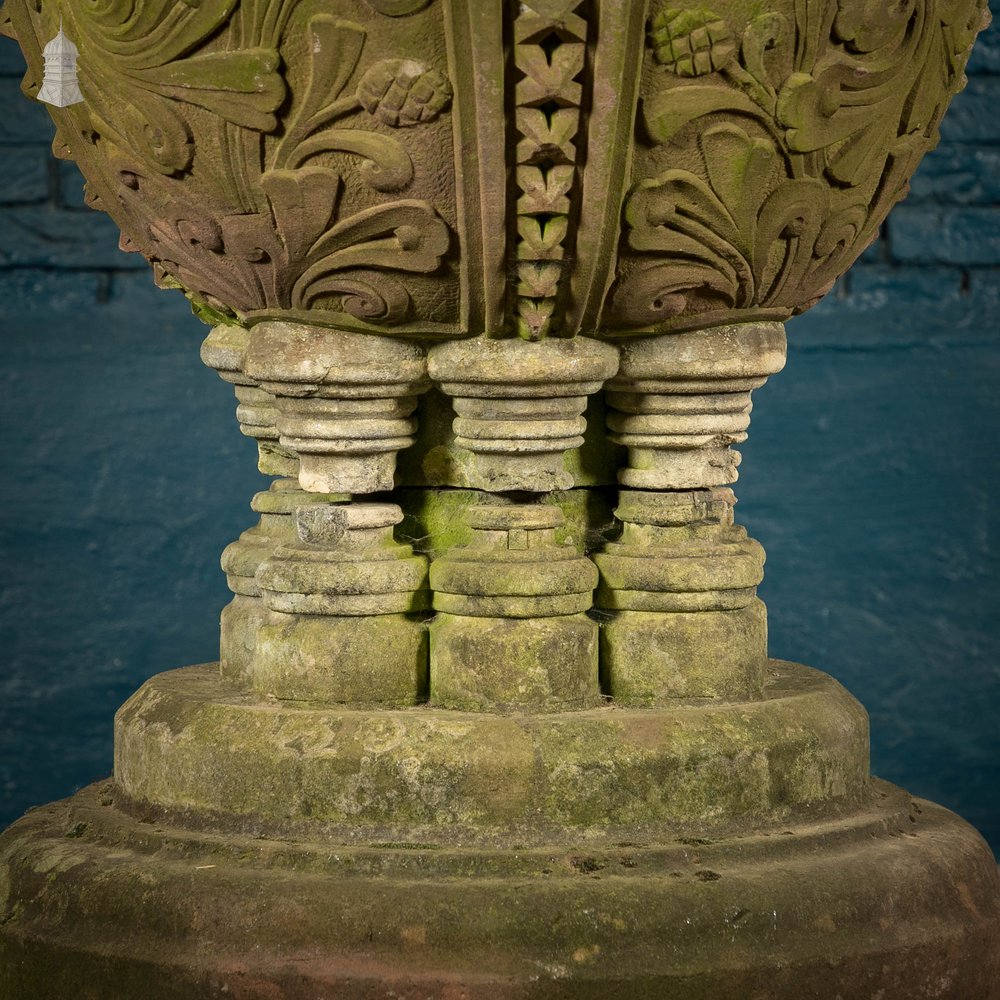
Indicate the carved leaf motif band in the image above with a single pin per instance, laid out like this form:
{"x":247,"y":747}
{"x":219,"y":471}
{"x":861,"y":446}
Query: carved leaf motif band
{"x":549,"y":55}
{"x":292,"y":156}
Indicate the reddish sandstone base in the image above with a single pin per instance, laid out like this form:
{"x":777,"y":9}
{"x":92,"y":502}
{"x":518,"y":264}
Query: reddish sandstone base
{"x":901,"y":900}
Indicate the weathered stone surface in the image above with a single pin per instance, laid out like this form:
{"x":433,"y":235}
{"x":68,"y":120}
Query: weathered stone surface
{"x":679,"y":586}
{"x":678,"y":552}
{"x":249,"y":151}
{"x":898,"y":900}
{"x":190,"y":744}
{"x":436,"y":521}
{"x":510,"y":631}
{"x":224,"y":350}
{"x":354,"y":660}
{"x":481,"y":175}
{"x":341,"y":627}
{"x":513,"y":567}
{"x":344,"y":401}
{"x":436,"y":459}
{"x":519,"y":406}
{"x":243,"y":616}
{"x":679,"y":402}
{"x":239,"y":629}
{"x":503,"y":664}
{"x":346,"y":563}
{"x":651,"y":658}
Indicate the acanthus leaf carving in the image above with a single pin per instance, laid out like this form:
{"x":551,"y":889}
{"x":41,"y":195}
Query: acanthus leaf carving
{"x":295,"y":253}
{"x":839,"y":105}
{"x":261,"y":226}
{"x":145,"y":50}
{"x":764,"y":236}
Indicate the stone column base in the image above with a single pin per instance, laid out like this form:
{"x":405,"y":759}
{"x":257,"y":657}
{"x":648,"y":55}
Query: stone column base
{"x":192,"y":749}
{"x":899,"y":899}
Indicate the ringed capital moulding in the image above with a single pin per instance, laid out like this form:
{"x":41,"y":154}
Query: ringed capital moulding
{"x":494,"y":716}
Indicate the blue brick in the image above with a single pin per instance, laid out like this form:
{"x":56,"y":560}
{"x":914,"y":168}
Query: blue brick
{"x":27,"y":174}
{"x":923,"y":287}
{"x":933,"y":235}
{"x":972,"y":116}
{"x":142,"y":294}
{"x":22,"y":120}
{"x":959,"y":174}
{"x":985,"y":281}
{"x":45,"y":236}
{"x":893,"y":307}
{"x":71,"y":186}
{"x":11,"y":60}
{"x":875,"y":254}
{"x":985,"y":56}
{"x":22,"y":290}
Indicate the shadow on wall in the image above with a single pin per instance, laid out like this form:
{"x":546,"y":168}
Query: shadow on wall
{"x":869,"y":476}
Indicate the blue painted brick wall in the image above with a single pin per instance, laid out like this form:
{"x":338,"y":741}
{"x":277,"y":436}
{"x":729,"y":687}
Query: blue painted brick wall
{"x":870,"y":476}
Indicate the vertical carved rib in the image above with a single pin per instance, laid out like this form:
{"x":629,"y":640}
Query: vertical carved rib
{"x":617,"y":63}
{"x":549,"y":56}
{"x":473,"y":30}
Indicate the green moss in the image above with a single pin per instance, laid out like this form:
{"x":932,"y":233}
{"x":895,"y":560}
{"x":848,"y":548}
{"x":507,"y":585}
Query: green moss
{"x":435,"y":520}
{"x":188,"y":741}
{"x":210,"y":315}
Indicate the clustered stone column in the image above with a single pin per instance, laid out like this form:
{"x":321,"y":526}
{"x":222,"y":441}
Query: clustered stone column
{"x":333,"y":615}
{"x":682,"y":579}
{"x":511,"y":630}
{"x":344,"y":401}
{"x":340,"y":600}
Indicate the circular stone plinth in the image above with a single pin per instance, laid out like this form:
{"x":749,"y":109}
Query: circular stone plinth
{"x":190,"y":748}
{"x":898,"y":900}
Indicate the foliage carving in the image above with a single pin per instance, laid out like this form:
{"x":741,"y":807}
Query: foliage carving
{"x":299,"y":156}
{"x":805,"y":129}
{"x":261,"y":226}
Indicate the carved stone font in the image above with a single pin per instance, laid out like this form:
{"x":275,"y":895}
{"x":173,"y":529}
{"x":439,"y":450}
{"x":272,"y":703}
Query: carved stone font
{"x":494,"y":715}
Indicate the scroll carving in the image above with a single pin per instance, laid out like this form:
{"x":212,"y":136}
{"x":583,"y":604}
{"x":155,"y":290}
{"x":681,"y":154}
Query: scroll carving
{"x":239,"y":173}
{"x":443,"y":168}
{"x":793,"y":138}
